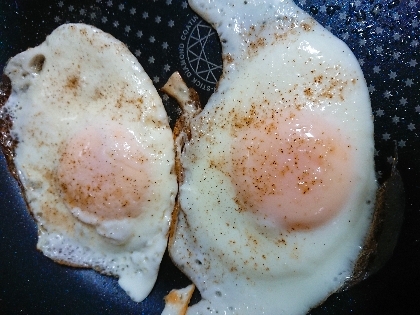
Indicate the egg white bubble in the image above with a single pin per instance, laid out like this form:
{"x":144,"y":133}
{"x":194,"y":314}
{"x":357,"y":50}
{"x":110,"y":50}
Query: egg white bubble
{"x":88,"y":124}
{"x":281,"y":67}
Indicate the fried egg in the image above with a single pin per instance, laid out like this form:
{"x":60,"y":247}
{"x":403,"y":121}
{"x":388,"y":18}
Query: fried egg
{"x":277,"y":184}
{"x":94,"y":154}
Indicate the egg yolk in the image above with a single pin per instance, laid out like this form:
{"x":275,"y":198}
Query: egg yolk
{"x":103,"y":172}
{"x":291,"y":172}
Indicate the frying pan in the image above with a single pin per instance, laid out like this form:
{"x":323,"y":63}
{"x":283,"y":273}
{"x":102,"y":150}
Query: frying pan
{"x":167,"y":36}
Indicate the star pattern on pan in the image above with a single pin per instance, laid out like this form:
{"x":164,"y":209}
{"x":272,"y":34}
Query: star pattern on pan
{"x":120,"y":17}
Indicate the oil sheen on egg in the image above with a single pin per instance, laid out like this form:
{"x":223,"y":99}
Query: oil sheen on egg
{"x":94,"y":154}
{"x":278,"y":180}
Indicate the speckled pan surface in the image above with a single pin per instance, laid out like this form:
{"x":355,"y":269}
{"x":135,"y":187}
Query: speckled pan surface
{"x":167,"y":36}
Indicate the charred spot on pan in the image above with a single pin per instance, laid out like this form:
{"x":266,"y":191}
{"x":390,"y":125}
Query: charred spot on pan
{"x":7,"y":142}
{"x":385,"y":228}
{"x":5,"y":89}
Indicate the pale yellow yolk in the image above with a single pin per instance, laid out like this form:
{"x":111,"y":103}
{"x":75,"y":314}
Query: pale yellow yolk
{"x":103,"y":172}
{"x":294,"y":173}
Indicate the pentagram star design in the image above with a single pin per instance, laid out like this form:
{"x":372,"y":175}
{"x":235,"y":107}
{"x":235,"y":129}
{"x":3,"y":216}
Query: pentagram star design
{"x":198,"y":57}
